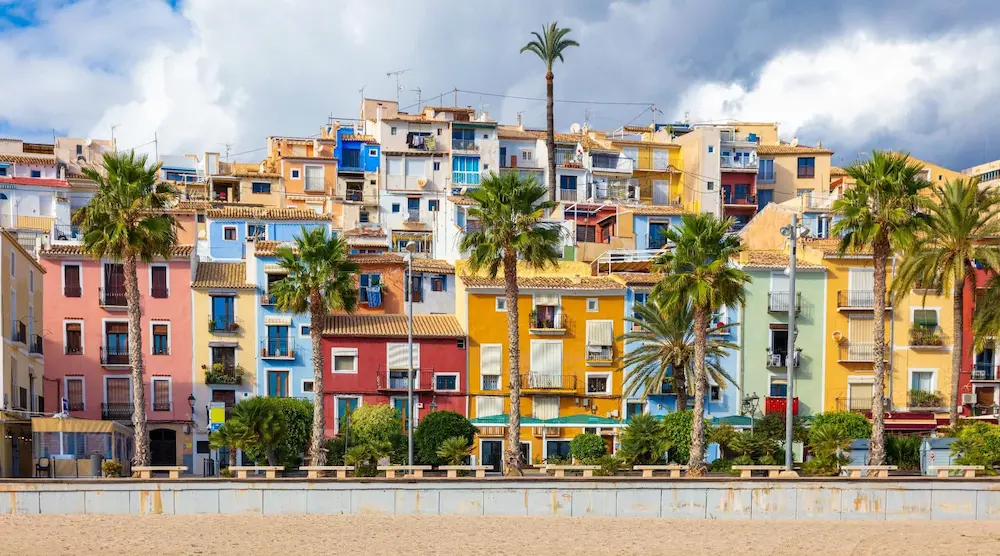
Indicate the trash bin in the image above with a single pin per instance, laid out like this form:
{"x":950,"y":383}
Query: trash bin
{"x":96,"y":460}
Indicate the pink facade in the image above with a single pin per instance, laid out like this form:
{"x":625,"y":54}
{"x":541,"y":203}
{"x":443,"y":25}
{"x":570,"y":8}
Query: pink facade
{"x":86,"y":334}
{"x":441,"y":381}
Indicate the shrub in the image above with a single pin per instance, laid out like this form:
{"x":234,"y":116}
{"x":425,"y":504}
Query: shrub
{"x":610,"y":465}
{"x":335,"y":448}
{"x":375,"y":423}
{"x":978,"y":444}
{"x":722,"y":435}
{"x":434,"y":429}
{"x":767,"y":459}
{"x":678,"y":433}
{"x":772,"y":427}
{"x":111,"y":468}
{"x":919,"y":398}
{"x":644,"y":440}
{"x":364,"y":457}
{"x":903,"y":451}
{"x":828,"y":443}
{"x":854,"y":424}
{"x":721,"y":465}
{"x":587,"y":447}
{"x":226,"y":473}
{"x":454,"y":450}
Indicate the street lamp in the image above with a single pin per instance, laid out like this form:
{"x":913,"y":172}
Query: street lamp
{"x":793,"y":232}
{"x":750,"y":405}
{"x":411,"y":247}
{"x":191,"y":405}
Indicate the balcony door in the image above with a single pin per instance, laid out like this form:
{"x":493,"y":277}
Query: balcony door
{"x":114,"y":284}
{"x":116,"y":340}
{"x":859,"y":396}
{"x":277,"y":340}
{"x":861,"y":287}
{"x":119,"y":397}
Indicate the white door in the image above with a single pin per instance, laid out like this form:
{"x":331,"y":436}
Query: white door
{"x":661,"y":192}
{"x":861,"y":287}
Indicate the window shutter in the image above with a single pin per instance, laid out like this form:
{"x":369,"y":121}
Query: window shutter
{"x":74,"y":391}
{"x":488,"y":406}
{"x":861,"y":329}
{"x":600,"y":333}
{"x":161,"y":392}
{"x":117,"y":328}
{"x":159,"y":330}
{"x":118,"y":391}
{"x":398,"y":356}
{"x":545,"y":408}
{"x":546,"y":357}
{"x":72,"y":275}
{"x":546,"y":299}
{"x":660,"y":159}
{"x":490,"y":359}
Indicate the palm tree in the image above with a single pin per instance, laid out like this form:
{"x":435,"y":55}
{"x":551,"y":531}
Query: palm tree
{"x":664,"y":343}
{"x":960,"y":219}
{"x":320,"y":280}
{"x":231,"y":435}
{"x":260,"y":424}
{"x":125,"y":221}
{"x":880,"y":214}
{"x":549,"y":46}
{"x":698,"y":274}
{"x":509,"y":210}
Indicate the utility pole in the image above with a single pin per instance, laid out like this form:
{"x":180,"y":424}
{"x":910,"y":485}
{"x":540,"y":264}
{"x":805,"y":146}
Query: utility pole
{"x":156,"y":147}
{"x":792,"y":232}
{"x":113,"y":144}
{"x":456,"y":96}
{"x":398,"y":86}
{"x":420,"y":107}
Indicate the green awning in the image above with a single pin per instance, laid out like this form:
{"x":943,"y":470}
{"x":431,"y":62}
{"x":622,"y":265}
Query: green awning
{"x":584,"y":420}
{"x":734,"y":420}
{"x":502,"y":420}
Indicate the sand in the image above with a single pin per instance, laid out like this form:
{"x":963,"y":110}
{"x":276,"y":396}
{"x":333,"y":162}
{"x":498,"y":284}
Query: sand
{"x":371,"y":535}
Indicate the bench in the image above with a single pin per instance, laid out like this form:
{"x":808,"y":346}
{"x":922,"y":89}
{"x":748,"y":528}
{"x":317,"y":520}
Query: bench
{"x":146,"y":471}
{"x":559,"y":471}
{"x":746,"y":471}
{"x":880,"y":471}
{"x":270,"y":471}
{"x":317,"y":471}
{"x":649,"y":470}
{"x":454,"y":469}
{"x":415,"y":470}
{"x":968,"y":471}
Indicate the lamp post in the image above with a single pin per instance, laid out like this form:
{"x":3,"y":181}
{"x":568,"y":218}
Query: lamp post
{"x":750,"y":405}
{"x":411,"y":247}
{"x":793,"y":232}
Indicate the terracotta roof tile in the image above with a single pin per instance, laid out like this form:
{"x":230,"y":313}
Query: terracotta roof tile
{"x":595,"y":144}
{"x":178,"y":252}
{"x":637,"y":278}
{"x":463,"y":109}
{"x":221,"y":275}
{"x":547,"y":282}
{"x":393,"y":326}
{"x":28,"y":158}
{"x":267,"y":248}
{"x":193,"y":205}
{"x":365,"y":232}
{"x":363,"y":138}
{"x":253,"y":174}
{"x":377,"y":258}
{"x":837,"y":171}
{"x":514,"y":132}
{"x":460,"y":200}
{"x":264,"y":213}
{"x":789,"y":149}
{"x":831,"y":246}
{"x":771,"y":259}
{"x":433,"y":265}
{"x":652,"y":210}
{"x":38,"y":182}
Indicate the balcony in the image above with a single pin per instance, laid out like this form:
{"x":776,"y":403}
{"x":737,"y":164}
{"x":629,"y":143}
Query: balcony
{"x":491,"y":382}
{"x":546,"y":324}
{"x":277,"y":348}
{"x":985,"y":371}
{"x":926,"y":337}
{"x":114,"y":357}
{"x":36,"y":345}
{"x":224,"y":325}
{"x":549,"y":383}
{"x":611,"y":163}
{"x":466,"y":178}
{"x":777,"y":302}
{"x":116,"y":411}
{"x":860,"y":405}
{"x":750,"y":165}
{"x":778,"y":404}
{"x":20,"y":333}
{"x":859,"y":352}
{"x":466,"y":145}
{"x":113,"y":298}
{"x":396,"y":381}
{"x":740,"y":199}
{"x":63,"y":232}
{"x":422,"y":142}
{"x":922,"y":399}
{"x":779,"y":360}
{"x":858,"y":300}
{"x":350,"y":161}
{"x":734,"y":137}
{"x":161,"y":406}
{"x":225,"y":373}
{"x":267,"y":300}
{"x":600,"y":355}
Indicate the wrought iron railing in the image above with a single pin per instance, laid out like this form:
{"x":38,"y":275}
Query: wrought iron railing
{"x":777,"y":302}
{"x":36,"y":344}
{"x":277,"y":348}
{"x":113,"y":297}
{"x":116,"y":411}
{"x":114,"y":356}
{"x":547,"y":381}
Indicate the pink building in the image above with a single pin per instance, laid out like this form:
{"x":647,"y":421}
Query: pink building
{"x":86,"y":344}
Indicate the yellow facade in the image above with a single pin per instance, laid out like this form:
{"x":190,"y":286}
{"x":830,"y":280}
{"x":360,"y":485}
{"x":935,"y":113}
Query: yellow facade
{"x":649,"y":169}
{"x":245,"y":338}
{"x":22,"y":364}
{"x":787,"y":184}
{"x":579,"y":300}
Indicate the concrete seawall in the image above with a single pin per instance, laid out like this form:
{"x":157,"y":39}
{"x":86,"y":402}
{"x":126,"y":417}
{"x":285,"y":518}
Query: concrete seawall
{"x":872,"y":499}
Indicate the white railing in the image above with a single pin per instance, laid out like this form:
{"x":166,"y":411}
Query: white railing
{"x":623,"y":256}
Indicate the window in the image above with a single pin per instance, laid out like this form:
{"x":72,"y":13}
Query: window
{"x":710,"y":186}
{"x":363,"y":217}
{"x":465,"y":170}
{"x":460,"y":343}
{"x":201,"y":218}
{"x":394,"y":166}
{"x":36,"y":173}
{"x":395,"y":208}
{"x":437,"y":165}
{"x":256,"y":231}
{"x":158,"y":281}
{"x":567,"y":186}
{"x":765,"y":170}
{"x":304,"y":330}
{"x":116,"y":343}
{"x":446,"y":382}
{"x":71,"y":280}
{"x":229,"y":233}
{"x":203,"y":447}
{"x":74,"y":338}
{"x":79,"y":150}
{"x":711,"y":148}
{"x":778,"y":387}
{"x":714,"y":393}
{"x":923,"y":380}
{"x":31,"y":281}
{"x":600,"y":341}
{"x":598,"y":383}
{"x":557,"y":449}
{"x":307,"y":386}
{"x":277,"y":384}
{"x":526,"y":154}
{"x":345,"y":360}
{"x":345,"y":406}
{"x":370,"y":289}
{"x":488,"y":406}
{"x":74,"y":393}
{"x":372,"y":153}
{"x":501,"y":304}
{"x":545,"y":408}
{"x":432,"y":205}
{"x":392,"y":130}
{"x":314,"y":178}
{"x":260,"y":187}
{"x":417,"y":288}
{"x":439,"y":283}
{"x":161,"y":341}
{"x":413,"y":208}
{"x":925,"y":318}
{"x":490,"y":365}
{"x":295,"y":173}
{"x":634,"y":408}
{"x":546,"y":363}
{"x":807,"y":167}
{"x":416,"y":167}
{"x":161,"y":394}
{"x":13,"y":263}
{"x":586,"y":233}
{"x":592,"y":305}
{"x":223,"y":315}
{"x":3,"y":171}
{"x":658,"y":234}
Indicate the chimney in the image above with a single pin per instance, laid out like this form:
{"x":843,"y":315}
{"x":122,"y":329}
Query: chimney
{"x":819,"y":144}
{"x":795,"y":141}
{"x":519,"y":126}
{"x":251,"y":261}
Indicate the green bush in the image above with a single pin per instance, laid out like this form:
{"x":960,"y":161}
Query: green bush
{"x":454,"y":450}
{"x":610,"y":465}
{"x":772,"y":427}
{"x":721,"y":465}
{"x":978,"y":444}
{"x":854,"y":424}
{"x":678,"y":433}
{"x":767,"y":459}
{"x":226,"y":473}
{"x":289,"y":433}
{"x":587,"y":447}
{"x":434,"y":429}
{"x":364,"y":457}
{"x":335,"y":448}
{"x":903,"y":451}
{"x":722,"y":435}
{"x":374,"y":423}
{"x":644,"y":440}
{"x":829,"y":443}
{"x":111,"y":468}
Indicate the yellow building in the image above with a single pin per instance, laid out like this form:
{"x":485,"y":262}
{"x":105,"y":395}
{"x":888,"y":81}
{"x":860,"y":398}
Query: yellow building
{"x":656,"y":164}
{"x":569,"y":324}
{"x":787,"y":171}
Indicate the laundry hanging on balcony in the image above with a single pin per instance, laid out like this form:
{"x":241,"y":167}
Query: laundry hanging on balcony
{"x":374,"y":297}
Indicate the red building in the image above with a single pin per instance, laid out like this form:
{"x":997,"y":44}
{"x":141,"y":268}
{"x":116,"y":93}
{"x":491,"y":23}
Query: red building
{"x":367,"y":358}
{"x":979,"y":381}
{"x":739,"y":192}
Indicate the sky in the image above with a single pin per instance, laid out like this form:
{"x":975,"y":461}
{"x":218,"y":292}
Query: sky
{"x":212,"y":75}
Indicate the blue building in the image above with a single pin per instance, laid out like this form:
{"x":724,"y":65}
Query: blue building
{"x":358,"y":181}
{"x":650,"y":224}
{"x":356,"y":153}
{"x":228,"y":228}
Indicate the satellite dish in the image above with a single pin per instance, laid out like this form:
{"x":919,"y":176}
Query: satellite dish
{"x":575,"y":128}
{"x":406,"y":215}
{"x":88,"y":142}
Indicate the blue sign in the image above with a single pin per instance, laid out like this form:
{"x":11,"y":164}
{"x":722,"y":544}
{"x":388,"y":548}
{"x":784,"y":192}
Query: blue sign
{"x":212,"y":427}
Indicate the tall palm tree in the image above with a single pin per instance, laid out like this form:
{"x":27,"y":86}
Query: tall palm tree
{"x":880,"y":213}
{"x":320,"y":281}
{"x":549,"y":46}
{"x":961,"y":223}
{"x":509,"y":210}
{"x":664,"y":343}
{"x":125,"y":221}
{"x":698,"y":274}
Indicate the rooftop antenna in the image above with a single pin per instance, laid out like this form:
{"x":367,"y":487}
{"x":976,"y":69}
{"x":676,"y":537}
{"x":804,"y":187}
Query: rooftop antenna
{"x":586,"y":116}
{"x":228,"y":147}
{"x":654,"y":110}
{"x":113,"y":144}
{"x":399,"y":87}
{"x":420,"y":107}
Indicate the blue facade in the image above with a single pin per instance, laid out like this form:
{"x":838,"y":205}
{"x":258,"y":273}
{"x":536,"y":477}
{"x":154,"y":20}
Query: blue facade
{"x":355,"y":156}
{"x":649,"y":230}
{"x":227,"y":239}
{"x":284,"y":343}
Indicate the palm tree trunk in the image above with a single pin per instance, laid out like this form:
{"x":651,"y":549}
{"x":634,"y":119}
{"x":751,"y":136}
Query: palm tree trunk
{"x":141,"y":435}
{"x":317,"y":447}
{"x":876,"y":453}
{"x":232,"y":456}
{"x":696,"y":459}
{"x":272,"y":455}
{"x":512,"y":456}
{"x":550,"y":132}
{"x":957,"y":348}
{"x":681,"y":386}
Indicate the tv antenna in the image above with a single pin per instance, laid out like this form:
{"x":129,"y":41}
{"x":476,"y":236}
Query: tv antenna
{"x":399,"y":87}
{"x":420,"y":107}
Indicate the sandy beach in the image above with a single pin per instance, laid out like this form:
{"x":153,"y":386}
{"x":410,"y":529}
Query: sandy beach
{"x":371,"y":535}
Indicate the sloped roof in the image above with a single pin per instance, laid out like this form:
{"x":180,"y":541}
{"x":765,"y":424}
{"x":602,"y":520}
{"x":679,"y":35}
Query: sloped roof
{"x":267,"y":248}
{"x":460,"y":200}
{"x":251,"y":174}
{"x":265,"y":213}
{"x":221,"y":275}
{"x":837,"y":171}
{"x":514,"y":132}
{"x":547,"y":283}
{"x":393,"y":326}
{"x":652,"y":210}
{"x":362,"y":138}
{"x":46,"y":159}
{"x":831,"y":248}
{"x":771,"y":259}
{"x":37,"y":182}
{"x":377,"y":258}
{"x":789,"y":149}
{"x":638,"y":278}
{"x":365,"y":232}
{"x":178,"y":252}
{"x":433,"y":265}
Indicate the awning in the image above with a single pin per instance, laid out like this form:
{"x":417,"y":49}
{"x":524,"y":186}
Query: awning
{"x":583,"y":420}
{"x":275,"y":269}
{"x":600,"y":333}
{"x":502,"y":420}
{"x":277,"y":321}
{"x":738,"y":421}
{"x":69,"y":424}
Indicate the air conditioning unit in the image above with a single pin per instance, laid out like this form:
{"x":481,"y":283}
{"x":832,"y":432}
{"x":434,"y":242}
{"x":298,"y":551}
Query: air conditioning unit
{"x":968,"y":398}
{"x":979,"y":374}
{"x":613,"y":414}
{"x":774,"y":360}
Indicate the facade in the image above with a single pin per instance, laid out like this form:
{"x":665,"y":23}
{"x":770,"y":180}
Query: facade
{"x":87,"y":344}
{"x":229,"y":228}
{"x":786,"y":171}
{"x":358,"y":158}
{"x":655,"y":164}
{"x":23,"y":365}
{"x":368,"y":360}
{"x":308,"y":170}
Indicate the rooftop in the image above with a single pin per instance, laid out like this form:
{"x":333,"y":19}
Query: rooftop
{"x":831,"y":248}
{"x":221,"y":275}
{"x":393,"y":326}
{"x":37,"y":182}
{"x":264,"y":213}
{"x":47,"y":160}
{"x":433,"y":265}
{"x":771,"y":259}
{"x":547,"y":283}
{"x":178,"y":252}
{"x":637,"y":278}
{"x":785,"y":148}
{"x":652,"y":210}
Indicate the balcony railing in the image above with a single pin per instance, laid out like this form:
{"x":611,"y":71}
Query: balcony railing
{"x":741,"y":164}
{"x":926,"y":336}
{"x":611,"y":163}
{"x":862,"y":405}
{"x":36,"y":345}
{"x":547,"y":322}
{"x":920,"y":398}
{"x":277,"y":348}
{"x":77,"y":406}
{"x":113,"y":297}
{"x":116,"y":411}
{"x":395,"y":381}
{"x":777,"y":302}
{"x":20,"y":333}
{"x":466,"y":178}
{"x":267,"y":300}
{"x":779,"y":360}
{"x":985,"y":371}
{"x":225,"y":373}
{"x":491,"y":382}
{"x":748,"y":200}
{"x":464,"y":145}
{"x":545,"y":381}
{"x":859,"y":352}
{"x":224,"y":324}
{"x":114,"y":356}
{"x":63,"y":232}
{"x":858,"y":299}
{"x":73,"y":349}
{"x":161,"y":406}
{"x":778,"y":404}
{"x":600,"y":354}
